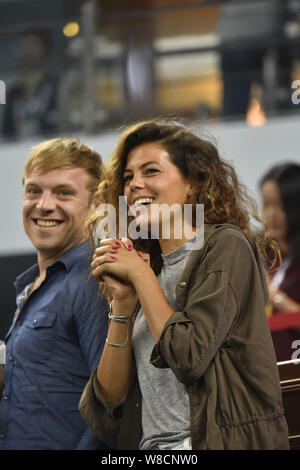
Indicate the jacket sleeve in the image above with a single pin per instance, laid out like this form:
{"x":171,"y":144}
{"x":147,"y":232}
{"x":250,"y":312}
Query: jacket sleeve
{"x":103,"y":418}
{"x":215,"y":291}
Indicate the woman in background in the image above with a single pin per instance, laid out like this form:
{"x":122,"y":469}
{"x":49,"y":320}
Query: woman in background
{"x":189,"y":361}
{"x":280,"y":191}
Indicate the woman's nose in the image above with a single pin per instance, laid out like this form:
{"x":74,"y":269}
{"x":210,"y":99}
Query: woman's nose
{"x":137,"y":181}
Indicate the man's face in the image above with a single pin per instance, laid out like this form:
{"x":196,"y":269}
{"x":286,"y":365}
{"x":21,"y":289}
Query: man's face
{"x":55,"y":208}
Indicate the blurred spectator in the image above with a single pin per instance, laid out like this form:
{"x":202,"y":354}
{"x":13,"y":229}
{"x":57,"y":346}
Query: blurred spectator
{"x":248,"y":30}
{"x":31,"y":106}
{"x":280,"y":190}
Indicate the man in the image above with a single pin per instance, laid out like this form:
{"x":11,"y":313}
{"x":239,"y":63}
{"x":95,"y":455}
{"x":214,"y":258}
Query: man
{"x":60,"y":325}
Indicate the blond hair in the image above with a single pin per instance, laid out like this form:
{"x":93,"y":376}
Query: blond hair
{"x":64,"y":152}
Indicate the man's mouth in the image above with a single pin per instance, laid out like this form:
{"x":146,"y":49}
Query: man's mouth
{"x":47,"y":223}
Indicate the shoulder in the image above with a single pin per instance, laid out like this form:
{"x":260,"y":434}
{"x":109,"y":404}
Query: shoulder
{"x":221,"y":242}
{"x":227,"y":249}
{"x":79,"y":285}
{"x":215,"y":232}
{"x":229,"y":255}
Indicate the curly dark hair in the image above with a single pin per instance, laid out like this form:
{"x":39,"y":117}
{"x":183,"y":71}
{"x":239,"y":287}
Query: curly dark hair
{"x":287,"y":177}
{"x":214,"y":181}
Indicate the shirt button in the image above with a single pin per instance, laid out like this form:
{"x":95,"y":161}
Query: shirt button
{"x":182,"y":284}
{"x":10,"y":358}
{"x":34,"y":322}
{"x":5,"y":397}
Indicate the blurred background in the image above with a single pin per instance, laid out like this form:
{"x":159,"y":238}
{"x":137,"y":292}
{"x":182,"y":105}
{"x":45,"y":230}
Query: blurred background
{"x":84,"y":68}
{"x":89,"y":65}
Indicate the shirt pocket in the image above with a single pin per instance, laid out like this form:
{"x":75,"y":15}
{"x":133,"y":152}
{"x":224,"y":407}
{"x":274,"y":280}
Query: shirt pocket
{"x":38,"y":338}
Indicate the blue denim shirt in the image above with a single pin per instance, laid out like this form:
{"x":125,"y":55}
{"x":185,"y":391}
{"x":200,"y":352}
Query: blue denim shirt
{"x":52,"y":347}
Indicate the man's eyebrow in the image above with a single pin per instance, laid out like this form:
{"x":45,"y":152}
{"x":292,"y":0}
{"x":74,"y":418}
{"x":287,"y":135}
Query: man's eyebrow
{"x":31,"y":183}
{"x":144,"y":165}
{"x":65,"y":185}
{"x":57,"y":187}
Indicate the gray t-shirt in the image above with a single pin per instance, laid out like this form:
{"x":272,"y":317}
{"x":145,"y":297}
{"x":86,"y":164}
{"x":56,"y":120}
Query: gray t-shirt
{"x":165,"y":401}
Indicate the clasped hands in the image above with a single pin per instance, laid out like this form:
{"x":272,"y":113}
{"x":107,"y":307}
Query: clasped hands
{"x":117,"y":263}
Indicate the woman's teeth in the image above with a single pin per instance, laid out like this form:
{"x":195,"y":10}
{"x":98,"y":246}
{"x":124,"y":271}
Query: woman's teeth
{"x":144,"y":200}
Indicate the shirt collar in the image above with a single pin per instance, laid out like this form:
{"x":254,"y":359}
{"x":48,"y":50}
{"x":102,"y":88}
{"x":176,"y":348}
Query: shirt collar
{"x":67,"y":261}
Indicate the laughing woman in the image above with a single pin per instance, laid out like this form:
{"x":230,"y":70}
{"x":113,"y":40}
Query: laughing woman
{"x":189,"y":361}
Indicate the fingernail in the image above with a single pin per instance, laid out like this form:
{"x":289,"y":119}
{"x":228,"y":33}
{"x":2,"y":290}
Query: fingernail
{"x":113,"y":258}
{"x":115,"y":247}
{"x":118,"y":243}
{"x":130,"y":247}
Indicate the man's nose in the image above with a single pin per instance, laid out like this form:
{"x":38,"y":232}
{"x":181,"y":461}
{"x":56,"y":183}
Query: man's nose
{"x":46,"y":202}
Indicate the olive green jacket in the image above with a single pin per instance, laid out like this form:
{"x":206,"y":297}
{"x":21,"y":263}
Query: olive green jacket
{"x":219,"y":345}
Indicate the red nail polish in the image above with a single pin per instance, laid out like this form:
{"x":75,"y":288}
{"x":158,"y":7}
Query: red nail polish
{"x":115,"y":247}
{"x":118,"y":243}
{"x":113,"y":258}
{"x":130,"y":247}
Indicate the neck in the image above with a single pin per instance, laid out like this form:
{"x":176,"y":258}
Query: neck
{"x":172,"y":243}
{"x":45,"y":260}
{"x":48,"y":257}
{"x":167,"y":246}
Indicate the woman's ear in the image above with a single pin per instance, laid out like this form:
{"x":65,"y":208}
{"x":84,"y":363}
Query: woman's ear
{"x":190,"y":191}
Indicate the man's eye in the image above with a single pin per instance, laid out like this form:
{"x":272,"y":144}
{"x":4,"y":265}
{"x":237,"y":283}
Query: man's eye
{"x":32,"y":191}
{"x":64,"y":192}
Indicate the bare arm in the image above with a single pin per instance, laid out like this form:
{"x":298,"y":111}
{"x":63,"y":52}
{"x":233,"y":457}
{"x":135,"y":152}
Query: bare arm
{"x":282,"y":302}
{"x":128,"y":278}
{"x":131,"y":268}
{"x":113,"y":372}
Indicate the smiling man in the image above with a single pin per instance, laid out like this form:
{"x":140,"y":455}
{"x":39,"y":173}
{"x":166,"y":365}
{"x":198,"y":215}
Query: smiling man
{"x":60,"y":324}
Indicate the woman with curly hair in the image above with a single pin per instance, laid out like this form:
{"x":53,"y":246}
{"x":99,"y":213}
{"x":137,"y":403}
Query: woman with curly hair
{"x":188,"y":361}
{"x":280,"y":191}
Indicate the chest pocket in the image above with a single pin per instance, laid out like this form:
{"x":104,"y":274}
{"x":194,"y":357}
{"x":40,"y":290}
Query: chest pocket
{"x":38,"y":336}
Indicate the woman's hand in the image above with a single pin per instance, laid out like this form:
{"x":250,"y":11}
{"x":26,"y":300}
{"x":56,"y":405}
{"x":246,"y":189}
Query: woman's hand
{"x":112,"y":264}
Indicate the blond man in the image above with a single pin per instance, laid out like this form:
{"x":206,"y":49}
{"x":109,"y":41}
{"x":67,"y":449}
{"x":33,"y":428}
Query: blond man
{"x":60,"y":325}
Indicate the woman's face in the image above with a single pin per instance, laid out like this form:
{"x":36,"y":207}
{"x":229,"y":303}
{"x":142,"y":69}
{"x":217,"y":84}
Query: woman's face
{"x":274,"y":214}
{"x":151,"y":178}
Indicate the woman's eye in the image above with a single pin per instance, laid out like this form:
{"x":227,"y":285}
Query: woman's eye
{"x":150,"y":171}
{"x":127,"y":178}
